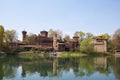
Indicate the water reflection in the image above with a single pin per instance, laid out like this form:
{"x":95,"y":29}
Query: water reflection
{"x":91,"y":68}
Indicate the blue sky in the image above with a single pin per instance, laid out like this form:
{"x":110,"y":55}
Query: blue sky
{"x":69,"y":16}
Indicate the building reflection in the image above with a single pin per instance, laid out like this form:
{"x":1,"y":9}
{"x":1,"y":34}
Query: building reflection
{"x":55,"y":66}
{"x":51,"y":67}
{"x":100,"y":63}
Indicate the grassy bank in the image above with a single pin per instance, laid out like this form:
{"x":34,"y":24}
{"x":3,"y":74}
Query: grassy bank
{"x":89,"y":54}
{"x":58,"y":54}
{"x":31,"y":54}
{"x":71,"y":52}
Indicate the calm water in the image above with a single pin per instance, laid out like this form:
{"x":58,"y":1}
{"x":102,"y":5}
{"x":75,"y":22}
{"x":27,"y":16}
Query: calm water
{"x":80,"y":68}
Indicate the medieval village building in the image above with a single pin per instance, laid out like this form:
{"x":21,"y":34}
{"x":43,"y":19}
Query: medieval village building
{"x":43,"y":42}
{"x":100,"y":44}
{"x":52,"y":43}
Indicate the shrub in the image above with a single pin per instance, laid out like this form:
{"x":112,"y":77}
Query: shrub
{"x":87,"y":45}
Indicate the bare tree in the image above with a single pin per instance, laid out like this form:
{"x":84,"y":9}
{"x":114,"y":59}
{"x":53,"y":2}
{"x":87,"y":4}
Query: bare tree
{"x":10,"y":35}
{"x":52,"y":32}
{"x":67,"y":37}
{"x":116,"y":39}
{"x":89,"y":35}
{"x":80,"y":34}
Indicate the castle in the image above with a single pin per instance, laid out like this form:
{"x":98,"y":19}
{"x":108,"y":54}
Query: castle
{"x":51,"y":43}
{"x":100,"y":44}
{"x":43,"y":42}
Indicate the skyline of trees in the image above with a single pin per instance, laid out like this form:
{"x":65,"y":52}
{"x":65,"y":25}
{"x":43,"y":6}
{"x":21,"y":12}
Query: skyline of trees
{"x":52,"y":32}
{"x":8,"y":36}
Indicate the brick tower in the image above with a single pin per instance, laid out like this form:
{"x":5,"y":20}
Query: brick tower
{"x":44,"y":33}
{"x":24,"y":34}
{"x":55,"y":46}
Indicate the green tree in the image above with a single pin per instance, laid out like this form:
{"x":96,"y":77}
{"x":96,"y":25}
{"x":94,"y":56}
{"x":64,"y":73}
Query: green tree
{"x":10,"y":35}
{"x":67,"y":37}
{"x":110,"y":46}
{"x":1,"y":36}
{"x":89,"y":35}
{"x":106,"y":36}
{"x":76,"y":34}
{"x":87,"y":45}
{"x":80,"y":34}
{"x":31,"y":39}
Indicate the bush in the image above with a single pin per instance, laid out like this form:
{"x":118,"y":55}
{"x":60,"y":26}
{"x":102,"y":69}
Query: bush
{"x":87,"y":45}
{"x":11,"y":51}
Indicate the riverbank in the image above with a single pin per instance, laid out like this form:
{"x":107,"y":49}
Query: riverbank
{"x":51,"y":54}
{"x":59,"y":54}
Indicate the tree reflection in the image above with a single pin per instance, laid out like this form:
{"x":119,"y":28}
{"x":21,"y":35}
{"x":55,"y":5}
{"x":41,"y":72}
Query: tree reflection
{"x":50,"y":67}
{"x":8,"y":67}
{"x":1,"y":71}
{"x":23,"y":72}
{"x":115,"y":64}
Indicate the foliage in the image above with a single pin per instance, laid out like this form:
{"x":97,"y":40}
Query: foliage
{"x":87,"y":45}
{"x":13,"y":51}
{"x":89,"y":35}
{"x":10,"y":35}
{"x":53,"y":32}
{"x":80,"y":34}
{"x":7,"y":37}
{"x":70,"y":52}
{"x":67,"y":37}
{"x":110,"y":46}
{"x":31,"y":39}
{"x":106,"y":36}
{"x":1,"y":36}
{"x":116,"y":39}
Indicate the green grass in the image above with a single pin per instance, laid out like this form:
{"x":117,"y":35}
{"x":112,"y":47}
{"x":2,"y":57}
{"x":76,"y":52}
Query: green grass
{"x":71,"y":52}
{"x":26,"y":52}
{"x":32,"y":52}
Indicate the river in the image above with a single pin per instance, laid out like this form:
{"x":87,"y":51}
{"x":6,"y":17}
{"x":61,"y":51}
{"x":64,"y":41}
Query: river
{"x":52,"y":68}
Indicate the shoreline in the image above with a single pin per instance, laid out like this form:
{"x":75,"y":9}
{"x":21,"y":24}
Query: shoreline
{"x":60,"y":54}
{"x":57,"y":54}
